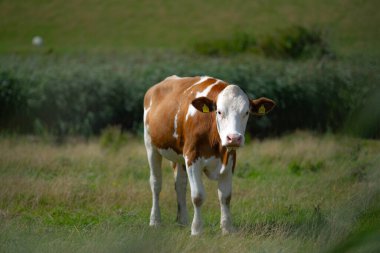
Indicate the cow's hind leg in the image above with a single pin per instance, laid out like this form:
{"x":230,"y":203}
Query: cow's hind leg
{"x":155,"y":160}
{"x":180,"y":185}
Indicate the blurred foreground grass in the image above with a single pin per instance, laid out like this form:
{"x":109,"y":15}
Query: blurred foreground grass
{"x":300,"y":193}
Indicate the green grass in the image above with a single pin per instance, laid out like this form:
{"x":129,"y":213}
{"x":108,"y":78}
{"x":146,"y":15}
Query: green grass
{"x":84,"y":196}
{"x":98,"y":26}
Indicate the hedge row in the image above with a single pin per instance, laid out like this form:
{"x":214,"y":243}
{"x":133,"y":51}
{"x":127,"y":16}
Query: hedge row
{"x":84,"y":94}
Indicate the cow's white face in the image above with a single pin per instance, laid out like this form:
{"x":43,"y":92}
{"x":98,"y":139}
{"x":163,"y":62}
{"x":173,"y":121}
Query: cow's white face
{"x":232,"y":110}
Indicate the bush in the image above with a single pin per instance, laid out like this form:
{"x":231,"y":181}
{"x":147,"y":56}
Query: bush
{"x":295,"y":42}
{"x":13,"y":102}
{"x":83,"y":95}
{"x":238,"y":43}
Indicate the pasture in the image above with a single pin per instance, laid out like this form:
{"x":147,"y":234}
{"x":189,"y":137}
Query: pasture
{"x":73,"y":170}
{"x":118,"y":26}
{"x":302,"y":192}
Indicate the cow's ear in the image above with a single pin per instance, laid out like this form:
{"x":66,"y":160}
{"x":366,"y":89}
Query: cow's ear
{"x":261,"y":106}
{"x":204,"y":104}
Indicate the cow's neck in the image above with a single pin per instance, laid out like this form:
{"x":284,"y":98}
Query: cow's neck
{"x":216,"y":144}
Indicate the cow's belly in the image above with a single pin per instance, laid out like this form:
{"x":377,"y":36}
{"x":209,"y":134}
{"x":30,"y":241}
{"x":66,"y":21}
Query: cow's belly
{"x":171,"y":155}
{"x":214,"y":168}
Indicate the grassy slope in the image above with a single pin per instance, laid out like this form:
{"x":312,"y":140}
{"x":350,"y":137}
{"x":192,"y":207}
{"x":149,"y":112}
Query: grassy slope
{"x":96,"y":25}
{"x":300,"y":193}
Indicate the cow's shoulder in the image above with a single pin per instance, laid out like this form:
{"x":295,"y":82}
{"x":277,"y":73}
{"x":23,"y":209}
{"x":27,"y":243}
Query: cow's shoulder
{"x":163,"y":103}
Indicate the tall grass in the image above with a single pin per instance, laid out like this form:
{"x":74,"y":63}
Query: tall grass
{"x":84,"y":197}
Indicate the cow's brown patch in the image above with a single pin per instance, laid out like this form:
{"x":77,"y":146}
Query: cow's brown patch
{"x":197,"y":136}
{"x":198,"y":200}
{"x":228,"y":200}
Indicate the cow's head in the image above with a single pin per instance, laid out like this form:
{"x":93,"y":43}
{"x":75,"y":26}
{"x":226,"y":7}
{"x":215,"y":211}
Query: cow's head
{"x":232,"y":110}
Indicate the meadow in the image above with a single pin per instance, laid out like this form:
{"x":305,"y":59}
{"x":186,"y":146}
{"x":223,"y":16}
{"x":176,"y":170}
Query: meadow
{"x":73,"y":168}
{"x":118,"y":26}
{"x":303,"y":192}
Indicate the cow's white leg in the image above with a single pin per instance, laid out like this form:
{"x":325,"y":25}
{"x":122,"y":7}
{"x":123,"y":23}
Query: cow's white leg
{"x":197,"y":196}
{"x":155,"y":184}
{"x":224,"y":193}
{"x":180,"y":187}
{"x":154,"y":159}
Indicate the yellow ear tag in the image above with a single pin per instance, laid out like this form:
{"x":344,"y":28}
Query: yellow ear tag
{"x":205,"y":108}
{"x":262,"y":109}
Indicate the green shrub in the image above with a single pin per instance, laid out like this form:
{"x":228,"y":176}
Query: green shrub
{"x":63,"y":95}
{"x":364,"y":121}
{"x":238,"y":43}
{"x":13,"y":101}
{"x":295,"y":42}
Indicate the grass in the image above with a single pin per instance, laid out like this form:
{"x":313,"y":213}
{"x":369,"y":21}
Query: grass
{"x":98,"y":26}
{"x":82,"y":196}
{"x":302,"y":192}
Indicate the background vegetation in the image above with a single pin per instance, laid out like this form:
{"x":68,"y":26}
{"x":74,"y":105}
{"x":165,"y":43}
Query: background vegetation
{"x":73,"y":173}
{"x":85,"y":94}
{"x":116,"y":25}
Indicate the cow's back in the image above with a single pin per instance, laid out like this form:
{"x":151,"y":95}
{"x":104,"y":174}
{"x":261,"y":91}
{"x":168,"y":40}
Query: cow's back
{"x":167,"y":91}
{"x":162,"y":103}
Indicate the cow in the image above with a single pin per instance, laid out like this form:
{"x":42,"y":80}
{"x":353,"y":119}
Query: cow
{"x":197,"y":123}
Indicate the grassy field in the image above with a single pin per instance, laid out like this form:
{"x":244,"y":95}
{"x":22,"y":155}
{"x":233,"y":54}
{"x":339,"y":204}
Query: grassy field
{"x":299,"y":193}
{"x":104,"y":26}
{"x":302,"y":192}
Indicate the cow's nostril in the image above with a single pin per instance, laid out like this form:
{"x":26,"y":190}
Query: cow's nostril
{"x":234,"y":139}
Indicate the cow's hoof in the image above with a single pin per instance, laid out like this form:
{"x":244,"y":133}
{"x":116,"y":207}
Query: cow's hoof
{"x":196,"y":230}
{"x":196,"y":233}
{"x":154,"y":223}
{"x":183,"y":222}
{"x":228,"y":230}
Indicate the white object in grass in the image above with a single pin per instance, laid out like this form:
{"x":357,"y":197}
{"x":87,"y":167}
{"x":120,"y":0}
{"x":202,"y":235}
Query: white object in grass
{"x":37,"y":41}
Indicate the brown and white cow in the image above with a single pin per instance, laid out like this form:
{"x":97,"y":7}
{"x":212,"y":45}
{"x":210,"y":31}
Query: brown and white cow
{"x":197,"y":123}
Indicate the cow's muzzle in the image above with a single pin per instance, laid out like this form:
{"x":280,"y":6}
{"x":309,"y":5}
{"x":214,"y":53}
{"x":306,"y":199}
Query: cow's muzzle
{"x":234,"y":140}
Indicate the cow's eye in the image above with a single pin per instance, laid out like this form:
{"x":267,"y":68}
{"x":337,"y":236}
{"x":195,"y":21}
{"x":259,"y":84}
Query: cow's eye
{"x":219,"y":112}
{"x":246,"y":113}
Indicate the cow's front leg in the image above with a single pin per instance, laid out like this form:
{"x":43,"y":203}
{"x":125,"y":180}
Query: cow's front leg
{"x":197,"y":195}
{"x":224,"y":193}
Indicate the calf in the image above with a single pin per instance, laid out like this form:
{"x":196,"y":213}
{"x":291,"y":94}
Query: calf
{"x":197,"y":123}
